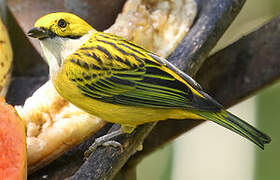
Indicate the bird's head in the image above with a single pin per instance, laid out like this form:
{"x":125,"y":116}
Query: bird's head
{"x":60,"y":35}
{"x":60,"y":24}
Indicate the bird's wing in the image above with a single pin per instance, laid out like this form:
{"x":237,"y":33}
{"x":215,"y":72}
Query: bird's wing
{"x":113,"y":70}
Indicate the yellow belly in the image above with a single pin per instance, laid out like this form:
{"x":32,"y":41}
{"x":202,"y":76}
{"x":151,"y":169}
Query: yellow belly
{"x":120,"y":114}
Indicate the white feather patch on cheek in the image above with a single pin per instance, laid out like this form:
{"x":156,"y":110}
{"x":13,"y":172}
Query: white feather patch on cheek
{"x":57,"y":49}
{"x":50,"y":58}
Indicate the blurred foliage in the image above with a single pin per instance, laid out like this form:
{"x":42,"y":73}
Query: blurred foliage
{"x":157,"y":166}
{"x":268,"y":112}
{"x":253,"y":15}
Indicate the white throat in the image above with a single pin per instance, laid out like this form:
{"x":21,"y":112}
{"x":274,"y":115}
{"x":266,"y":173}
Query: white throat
{"x":57,"y":49}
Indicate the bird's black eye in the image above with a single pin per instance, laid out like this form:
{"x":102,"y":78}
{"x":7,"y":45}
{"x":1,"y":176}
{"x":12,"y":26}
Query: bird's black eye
{"x":62,"y":23}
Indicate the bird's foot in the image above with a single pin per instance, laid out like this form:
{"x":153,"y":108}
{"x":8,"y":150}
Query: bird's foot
{"x":114,"y":144}
{"x":104,"y":141}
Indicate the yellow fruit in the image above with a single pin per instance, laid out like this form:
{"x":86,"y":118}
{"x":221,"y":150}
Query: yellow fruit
{"x":6,"y":56}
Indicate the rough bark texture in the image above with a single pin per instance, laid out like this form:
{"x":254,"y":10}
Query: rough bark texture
{"x":214,"y":16}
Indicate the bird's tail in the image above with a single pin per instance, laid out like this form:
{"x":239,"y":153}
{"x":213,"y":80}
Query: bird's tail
{"x":230,"y":121}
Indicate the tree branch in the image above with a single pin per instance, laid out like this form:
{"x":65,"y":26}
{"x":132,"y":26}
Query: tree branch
{"x":214,"y":17}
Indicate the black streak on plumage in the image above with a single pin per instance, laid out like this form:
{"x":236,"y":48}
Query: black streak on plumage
{"x":108,"y":54}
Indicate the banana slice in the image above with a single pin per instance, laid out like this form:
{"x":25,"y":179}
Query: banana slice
{"x":158,"y":25}
{"x":6,"y":57}
{"x":54,"y":125}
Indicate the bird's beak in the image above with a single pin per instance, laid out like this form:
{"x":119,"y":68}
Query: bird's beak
{"x":40,"y":33}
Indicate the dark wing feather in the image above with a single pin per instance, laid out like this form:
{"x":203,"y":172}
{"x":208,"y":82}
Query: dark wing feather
{"x":124,"y":74}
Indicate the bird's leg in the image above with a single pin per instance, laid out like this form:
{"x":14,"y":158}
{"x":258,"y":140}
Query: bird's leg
{"x":106,"y":140}
{"x":127,"y":128}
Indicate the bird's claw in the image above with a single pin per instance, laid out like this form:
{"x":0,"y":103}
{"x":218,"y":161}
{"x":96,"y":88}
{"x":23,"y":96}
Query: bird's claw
{"x":97,"y":143}
{"x":114,"y":144}
{"x":104,"y":141}
{"x":92,"y":148}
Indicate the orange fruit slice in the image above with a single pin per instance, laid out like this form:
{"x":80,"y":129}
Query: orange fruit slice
{"x":12,"y":144}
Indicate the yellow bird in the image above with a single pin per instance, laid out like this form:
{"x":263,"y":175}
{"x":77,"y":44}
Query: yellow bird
{"x":123,"y":83}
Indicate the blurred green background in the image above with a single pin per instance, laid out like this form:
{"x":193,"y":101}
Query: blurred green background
{"x":211,"y":152}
